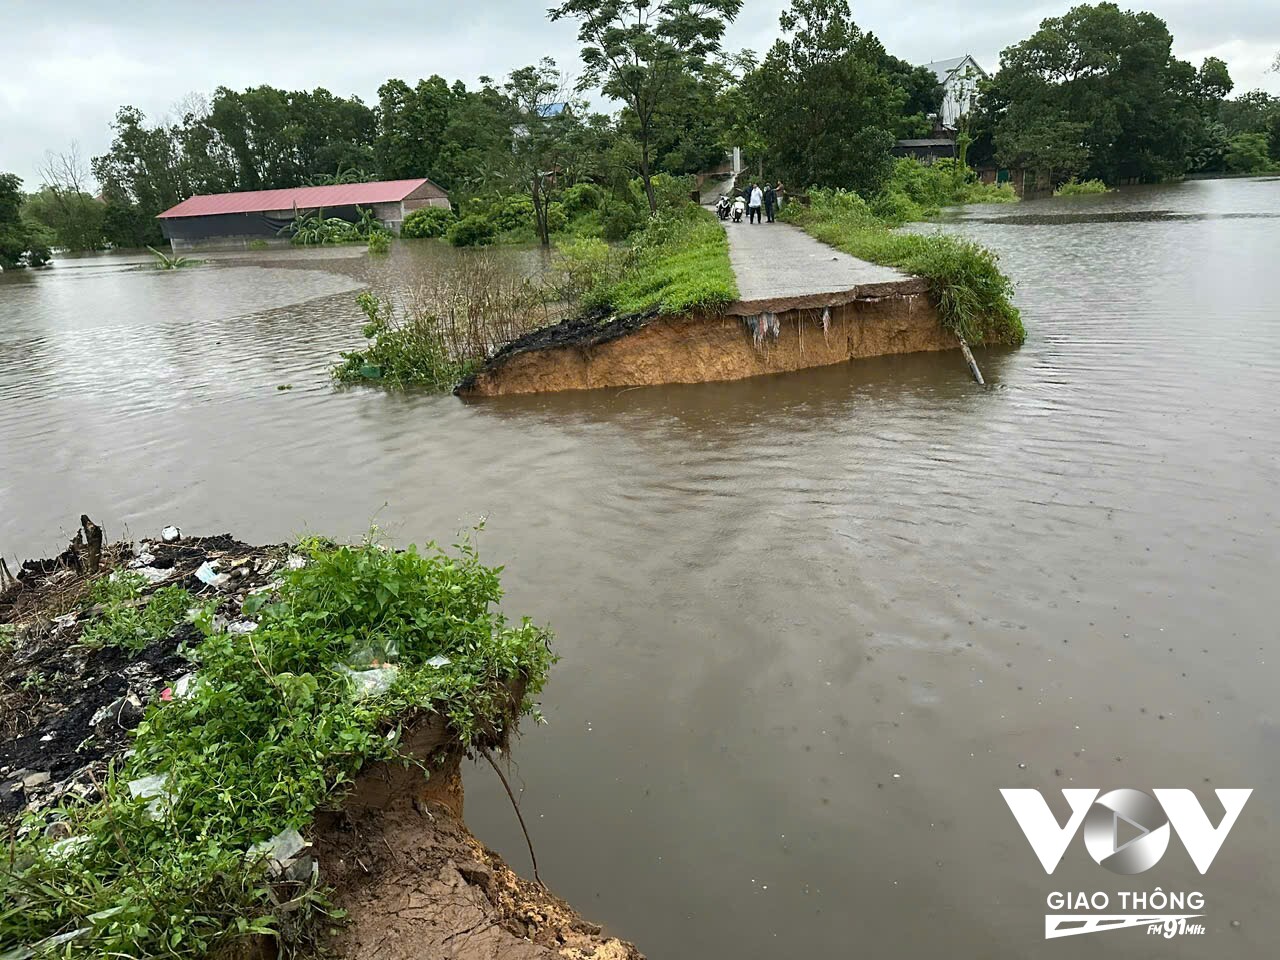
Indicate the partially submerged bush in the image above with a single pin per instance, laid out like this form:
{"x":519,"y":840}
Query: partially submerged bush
{"x":273,"y":726}
{"x":973,"y":297}
{"x":427,"y":223}
{"x":472,"y":231}
{"x":401,"y":350}
{"x":379,"y":242}
{"x":1076,"y":188}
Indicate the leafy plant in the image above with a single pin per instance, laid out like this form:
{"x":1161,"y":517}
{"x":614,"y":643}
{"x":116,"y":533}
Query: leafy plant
{"x":379,"y":242}
{"x":166,"y":262}
{"x":428,"y":222}
{"x":271,"y":729}
{"x":130,"y":621}
{"x":472,"y":231}
{"x":1076,"y":188}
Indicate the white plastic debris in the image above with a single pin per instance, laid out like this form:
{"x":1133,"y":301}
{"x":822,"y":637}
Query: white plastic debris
{"x":240,"y":627}
{"x":371,"y":682}
{"x":67,"y":846}
{"x":153,"y":574}
{"x":439,"y":660}
{"x":295,"y":562}
{"x":285,"y":853}
{"x":66,"y":620}
{"x":182,"y":687}
{"x":144,"y":558}
{"x":170,"y":534}
{"x":155,"y":789}
{"x":208,"y":573}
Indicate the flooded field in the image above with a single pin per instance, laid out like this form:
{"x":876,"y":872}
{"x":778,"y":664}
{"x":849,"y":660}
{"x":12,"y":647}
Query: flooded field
{"x":810,"y":623}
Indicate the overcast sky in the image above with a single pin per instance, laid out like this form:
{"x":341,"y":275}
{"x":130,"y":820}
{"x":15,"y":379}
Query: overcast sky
{"x":68,"y":65}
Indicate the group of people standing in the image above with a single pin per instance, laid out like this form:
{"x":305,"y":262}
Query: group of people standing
{"x":764,"y":201}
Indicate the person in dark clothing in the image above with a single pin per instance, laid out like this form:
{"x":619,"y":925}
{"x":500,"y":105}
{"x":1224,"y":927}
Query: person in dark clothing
{"x":770,"y":201}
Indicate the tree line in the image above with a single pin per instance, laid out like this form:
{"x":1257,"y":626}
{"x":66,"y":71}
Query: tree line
{"x":1096,"y":92}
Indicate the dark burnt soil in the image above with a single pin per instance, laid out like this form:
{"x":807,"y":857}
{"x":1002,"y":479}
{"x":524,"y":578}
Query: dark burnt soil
{"x":67,"y":710}
{"x":588,"y":330}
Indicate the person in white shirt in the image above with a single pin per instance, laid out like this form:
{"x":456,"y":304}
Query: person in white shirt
{"x":757,"y":200}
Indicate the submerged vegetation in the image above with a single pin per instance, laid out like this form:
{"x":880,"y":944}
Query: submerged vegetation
{"x":973,"y":297}
{"x":1076,"y":188}
{"x":315,"y":229}
{"x":351,"y":649}
{"x":165,"y":262}
{"x":444,"y":327}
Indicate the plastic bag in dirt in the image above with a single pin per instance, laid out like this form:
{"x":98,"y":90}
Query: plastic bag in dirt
{"x":373,"y":652}
{"x":207,"y":574}
{"x":280,"y":851}
{"x":372,"y":682}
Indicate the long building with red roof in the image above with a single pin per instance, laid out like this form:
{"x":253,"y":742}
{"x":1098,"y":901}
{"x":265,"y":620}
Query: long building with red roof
{"x":233,"y":218}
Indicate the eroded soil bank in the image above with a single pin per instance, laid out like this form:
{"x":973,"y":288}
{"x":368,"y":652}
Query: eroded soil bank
{"x":393,"y":850}
{"x":750,"y":339}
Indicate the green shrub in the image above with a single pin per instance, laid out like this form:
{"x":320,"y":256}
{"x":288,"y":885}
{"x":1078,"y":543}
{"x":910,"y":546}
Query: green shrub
{"x":619,"y":219}
{"x":895,"y":207}
{"x":472,"y":231}
{"x":380,"y":243}
{"x":258,"y":245}
{"x":1074,"y":188}
{"x":270,"y":731}
{"x":557,"y":220}
{"x":511,"y":213}
{"x":129,"y":622}
{"x":671,"y":193}
{"x":587,"y":269}
{"x":427,"y":223}
{"x":582,"y":198}
{"x":401,"y":351}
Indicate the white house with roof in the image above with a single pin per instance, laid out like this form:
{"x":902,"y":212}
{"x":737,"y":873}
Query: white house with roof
{"x":959,"y":77}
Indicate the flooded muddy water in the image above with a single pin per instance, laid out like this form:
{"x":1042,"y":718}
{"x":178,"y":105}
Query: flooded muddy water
{"x":811,"y":623}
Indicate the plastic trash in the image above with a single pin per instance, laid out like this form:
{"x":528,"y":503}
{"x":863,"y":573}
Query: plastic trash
{"x":66,"y":847}
{"x":170,"y":534}
{"x":439,"y":660}
{"x":153,"y":574}
{"x":285,"y":854}
{"x":372,"y":682}
{"x":144,"y":558}
{"x":183,"y":687}
{"x":239,"y":628}
{"x":207,"y":573}
{"x":155,"y":789}
{"x":295,"y":562}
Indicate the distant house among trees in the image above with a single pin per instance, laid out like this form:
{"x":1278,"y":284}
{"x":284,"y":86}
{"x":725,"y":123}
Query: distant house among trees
{"x":259,"y":214}
{"x":959,"y":78}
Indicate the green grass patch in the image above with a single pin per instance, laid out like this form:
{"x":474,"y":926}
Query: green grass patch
{"x":1077,"y":188}
{"x":973,"y":297}
{"x":127,"y":619}
{"x":677,"y":263}
{"x":272,"y":727}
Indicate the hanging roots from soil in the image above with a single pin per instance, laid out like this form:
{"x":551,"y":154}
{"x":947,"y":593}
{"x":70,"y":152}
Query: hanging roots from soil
{"x":516,"y":807}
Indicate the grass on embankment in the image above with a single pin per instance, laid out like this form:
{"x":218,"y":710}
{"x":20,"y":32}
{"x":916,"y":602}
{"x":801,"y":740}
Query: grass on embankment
{"x":273,"y":726}
{"x":973,"y":297}
{"x":677,"y":263}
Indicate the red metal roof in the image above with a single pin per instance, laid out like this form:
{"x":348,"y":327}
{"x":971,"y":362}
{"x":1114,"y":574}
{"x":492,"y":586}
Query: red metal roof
{"x":254,"y":201}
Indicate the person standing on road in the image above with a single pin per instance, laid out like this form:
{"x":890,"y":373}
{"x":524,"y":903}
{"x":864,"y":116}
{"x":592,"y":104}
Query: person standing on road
{"x":756,"y":201}
{"x":770,"y":201}
{"x":779,"y":195}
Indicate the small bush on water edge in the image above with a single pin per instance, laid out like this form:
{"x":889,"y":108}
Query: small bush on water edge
{"x":973,"y":297}
{"x":447,"y":325}
{"x":380,"y":242}
{"x":1076,"y":188}
{"x":166,"y":262}
{"x":270,"y":730}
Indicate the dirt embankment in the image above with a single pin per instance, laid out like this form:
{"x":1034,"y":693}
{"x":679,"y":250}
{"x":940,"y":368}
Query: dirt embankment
{"x":394,"y":850}
{"x":778,"y":336}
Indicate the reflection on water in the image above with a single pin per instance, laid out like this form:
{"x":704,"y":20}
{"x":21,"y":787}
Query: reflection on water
{"x":810,"y":623}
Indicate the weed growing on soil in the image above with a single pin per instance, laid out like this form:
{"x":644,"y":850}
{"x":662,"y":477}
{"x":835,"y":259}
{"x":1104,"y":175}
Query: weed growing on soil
{"x":128,"y":622}
{"x":274,"y":725}
{"x":973,"y":297}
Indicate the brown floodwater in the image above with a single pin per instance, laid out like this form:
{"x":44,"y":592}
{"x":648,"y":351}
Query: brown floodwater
{"x":810,"y":624}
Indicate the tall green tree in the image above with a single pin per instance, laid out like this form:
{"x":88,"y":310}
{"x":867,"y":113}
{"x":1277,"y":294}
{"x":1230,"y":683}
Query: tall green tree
{"x":826,"y":107}
{"x":20,"y":244}
{"x":1107,"y":75}
{"x":640,"y":51}
{"x":542,"y":136}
